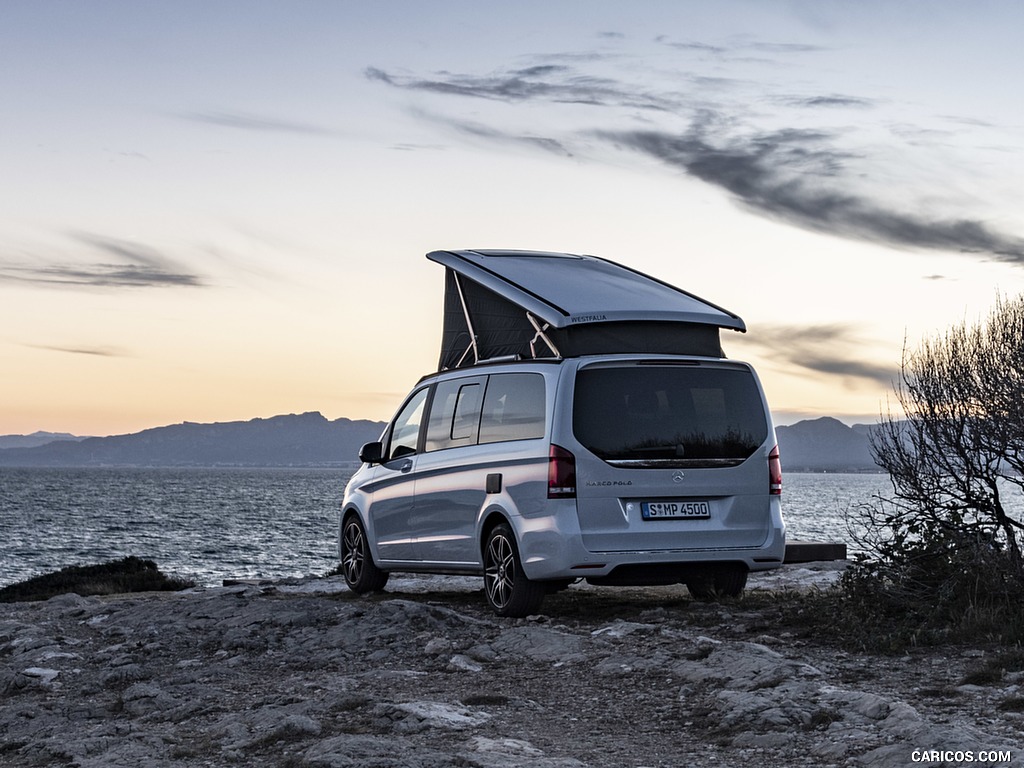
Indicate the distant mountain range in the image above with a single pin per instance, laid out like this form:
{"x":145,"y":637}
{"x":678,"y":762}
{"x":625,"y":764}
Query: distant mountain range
{"x":35,"y":439}
{"x":303,"y":440}
{"x":310,"y":440}
{"x":826,"y":445}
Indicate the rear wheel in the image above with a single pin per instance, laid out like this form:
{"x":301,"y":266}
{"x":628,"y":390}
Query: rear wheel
{"x":508,"y":591}
{"x":361,"y":574}
{"x":716,"y":581}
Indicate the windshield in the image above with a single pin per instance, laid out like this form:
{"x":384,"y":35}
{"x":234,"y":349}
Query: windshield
{"x":669,"y":415}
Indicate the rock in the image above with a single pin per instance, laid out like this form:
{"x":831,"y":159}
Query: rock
{"x":44,"y":675}
{"x":415,"y":716}
{"x":539,"y":644}
{"x":266,"y":677}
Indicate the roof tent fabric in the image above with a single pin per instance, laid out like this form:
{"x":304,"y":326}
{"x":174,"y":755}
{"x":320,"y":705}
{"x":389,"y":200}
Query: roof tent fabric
{"x":502,"y":328}
{"x":534,"y":304}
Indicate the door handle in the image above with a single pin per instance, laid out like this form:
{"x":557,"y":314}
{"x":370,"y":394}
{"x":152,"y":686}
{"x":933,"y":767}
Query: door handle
{"x":405,"y":467}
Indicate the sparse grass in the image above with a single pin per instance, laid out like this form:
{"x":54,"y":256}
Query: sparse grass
{"x":130,"y":574}
{"x":992,"y":671}
{"x":983,"y":676}
{"x":951,"y":594}
{"x":1012,"y":704}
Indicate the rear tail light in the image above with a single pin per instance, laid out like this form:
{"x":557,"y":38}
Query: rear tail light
{"x":561,"y":473}
{"x":774,"y":473}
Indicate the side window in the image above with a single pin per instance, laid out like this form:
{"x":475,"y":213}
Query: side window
{"x":405,"y":429}
{"x":455,"y":414}
{"x":466,"y":421}
{"x":514,"y":408}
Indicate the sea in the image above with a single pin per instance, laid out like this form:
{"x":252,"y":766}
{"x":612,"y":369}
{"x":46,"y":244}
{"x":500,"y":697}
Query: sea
{"x":209,"y":525}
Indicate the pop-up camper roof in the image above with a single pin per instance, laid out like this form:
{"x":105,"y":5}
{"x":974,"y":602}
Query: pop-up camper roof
{"x":532,"y":304}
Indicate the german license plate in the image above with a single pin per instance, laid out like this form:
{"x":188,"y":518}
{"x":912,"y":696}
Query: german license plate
{"x":674,"y":510}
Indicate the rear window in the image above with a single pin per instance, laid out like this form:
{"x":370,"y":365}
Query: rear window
{"x":649,"y":415}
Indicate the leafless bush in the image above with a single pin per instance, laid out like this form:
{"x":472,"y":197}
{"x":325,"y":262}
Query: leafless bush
{"x":945,"y":546}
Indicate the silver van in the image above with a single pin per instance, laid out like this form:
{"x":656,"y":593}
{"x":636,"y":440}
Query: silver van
{"x":536,"y":470}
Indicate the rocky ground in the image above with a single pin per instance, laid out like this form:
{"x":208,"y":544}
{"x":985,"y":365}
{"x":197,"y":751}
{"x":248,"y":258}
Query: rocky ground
{"x":308,"y":674}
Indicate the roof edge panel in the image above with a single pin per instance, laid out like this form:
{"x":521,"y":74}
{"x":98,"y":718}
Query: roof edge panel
{"x":505,"y":283}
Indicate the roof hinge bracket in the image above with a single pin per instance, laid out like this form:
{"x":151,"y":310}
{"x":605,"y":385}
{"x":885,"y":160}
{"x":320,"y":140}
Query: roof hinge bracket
{"x":542,"y":336}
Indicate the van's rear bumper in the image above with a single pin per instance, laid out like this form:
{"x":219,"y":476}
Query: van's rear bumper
{"x":552,"y":548}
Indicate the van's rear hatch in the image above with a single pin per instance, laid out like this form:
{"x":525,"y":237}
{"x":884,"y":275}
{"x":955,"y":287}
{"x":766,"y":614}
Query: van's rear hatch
{"x":675,"y":456}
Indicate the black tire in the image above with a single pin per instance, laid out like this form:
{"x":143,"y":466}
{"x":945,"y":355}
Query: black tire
{"x":361,"y":573}
{"x":718,"y":581}
{"x":508,"y":591}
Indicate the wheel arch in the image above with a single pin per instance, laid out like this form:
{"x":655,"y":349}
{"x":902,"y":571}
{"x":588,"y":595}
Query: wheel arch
{"x":347,"y":512}
{"x":490,"y":520}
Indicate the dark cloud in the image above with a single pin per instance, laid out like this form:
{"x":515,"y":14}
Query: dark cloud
{"x":256,"y":123}
{"x":555,"y":83}
{"x":125,"y":265}
{"x":815,"y":102}
{"x":828,"y":349}
{"x":93,"y":351}
{"x":796,"y":176}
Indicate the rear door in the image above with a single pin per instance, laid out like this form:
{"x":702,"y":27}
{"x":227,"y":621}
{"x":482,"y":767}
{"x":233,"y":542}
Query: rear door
{"x":674,"y":456}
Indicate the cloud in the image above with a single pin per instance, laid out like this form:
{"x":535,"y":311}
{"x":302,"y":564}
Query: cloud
{"x":796,"y":176}
{"x":248,"y":122}
{"x":828,"y":349}
{"x":739,"y":47}
{"x":697,"y":47}
{"x":813,"y":179}
{"x":784,"y":47}
{"x":815,"y":102}
{"x":94,"y":351}
{"x":556,"y":83}
{"x":126,"y":265}
{"x":481,"y":131}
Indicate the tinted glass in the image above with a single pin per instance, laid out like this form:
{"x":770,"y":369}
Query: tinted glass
{"x":514,"y":407}
{"x":405,"y":430}
{"x":669,"y":415}
{"x":455,"y":414}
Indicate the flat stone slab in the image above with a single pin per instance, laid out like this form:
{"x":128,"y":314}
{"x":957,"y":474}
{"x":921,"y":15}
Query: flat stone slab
{"x":813,"y":551}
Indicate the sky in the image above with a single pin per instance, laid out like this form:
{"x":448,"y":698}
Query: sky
{"x":219,"y":211}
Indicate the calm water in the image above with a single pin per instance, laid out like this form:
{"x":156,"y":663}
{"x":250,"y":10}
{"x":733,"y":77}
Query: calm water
{"x":204,"y":524}
{"x":212,"y":524}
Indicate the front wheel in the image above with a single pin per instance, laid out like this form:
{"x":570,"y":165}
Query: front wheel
{"x":361,"y":574}
{"x":508,"y":591}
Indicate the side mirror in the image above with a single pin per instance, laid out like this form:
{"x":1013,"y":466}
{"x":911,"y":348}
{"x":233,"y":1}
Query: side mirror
{"x":372,"y":453}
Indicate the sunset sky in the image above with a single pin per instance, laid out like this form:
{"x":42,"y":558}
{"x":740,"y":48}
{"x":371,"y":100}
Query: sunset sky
{"x":213,"y":211}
